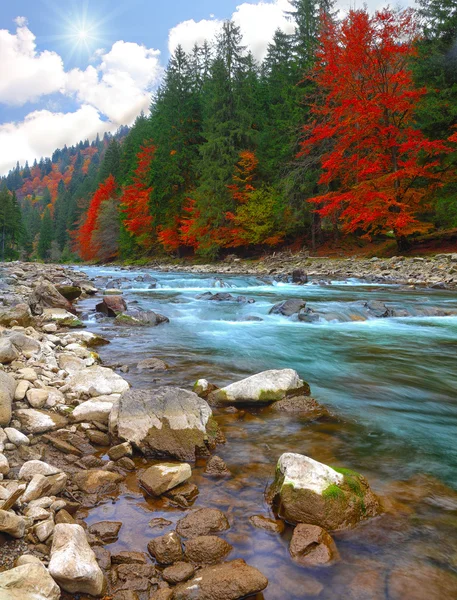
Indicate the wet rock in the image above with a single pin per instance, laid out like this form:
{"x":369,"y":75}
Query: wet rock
{"x":98,"y":409}
{"x":97,"y":381}
{"x":216,"y":467}
{"x":141,"y":318}
{"x":299,"y":277}
{"x":287,"y":308}
{"x":306,"y":491}
{"x":17,"y":315}
{"x":7,"y":390}
{"x":111,"y":306}
{"x":166,"y":549}
{"x":39,"y":421}
{"x":311,"y":546}
{"x":152,"y":364}
{"x":129,"y":558}
{"x":160,"y":478}
{"x":73,"y":564}
{"x":12,"y":524}
{"x":378,"y":309}
{"x":177,"y":573}
{"x":206,"y":550}
{"x":103,"y":557}
{"x":28,"y":582}
{"x":159,"y":523}
{"x":69,"y":292}
{"x":228,"y":581}
{"x":138,"y":577}
{"x":97,"y":481}
{"x":183,"y":494}
{"x":8,"y":351}
{"x":204,"y":521}
{"x":107,"y":531}
{"x":203,"y":388}
{"x":268,"y":386}
{"x":165,"y":422}
{"x":305,"y":405}
{"x":270,"y":525}
{"x":99,"y":438}
{"x":120,"y":451}
{"x":419,"y":581}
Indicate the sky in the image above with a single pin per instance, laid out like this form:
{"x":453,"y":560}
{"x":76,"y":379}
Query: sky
{"x":70,"y":69}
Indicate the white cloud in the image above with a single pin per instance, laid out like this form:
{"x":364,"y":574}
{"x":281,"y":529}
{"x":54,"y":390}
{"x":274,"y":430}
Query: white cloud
{"x":25,"y":75}
{"x":21,"y":21}
{"x":42,"y":131}
{"x":189,"y":33}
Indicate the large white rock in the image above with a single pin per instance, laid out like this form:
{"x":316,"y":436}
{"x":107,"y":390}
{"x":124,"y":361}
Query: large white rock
{"x":28,"y":582}
{"x":98,"y":409}
{"x":306,"y":473}
{"x":16,"y":437}
{"x":36,"y":488}
{"x":37,"y":421}
{"x":97,"y":381}
{"x":268,"y":386}
{"x":37,"y":467}
{"x":70,"y":363}
{"x":73,"y":564}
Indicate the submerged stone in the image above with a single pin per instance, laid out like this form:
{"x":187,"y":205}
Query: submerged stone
{"x":160,"y":478}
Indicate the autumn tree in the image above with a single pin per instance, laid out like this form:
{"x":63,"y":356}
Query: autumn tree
{"x":380,"y":168}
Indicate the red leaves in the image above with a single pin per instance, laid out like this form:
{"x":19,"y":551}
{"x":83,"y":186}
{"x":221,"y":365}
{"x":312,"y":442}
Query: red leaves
{"x":87,"y":248}
{"x":381,"y":164}
{"x":245,"y":173}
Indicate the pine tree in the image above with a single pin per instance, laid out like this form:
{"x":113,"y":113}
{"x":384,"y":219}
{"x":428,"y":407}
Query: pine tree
{"x":46,"y":235}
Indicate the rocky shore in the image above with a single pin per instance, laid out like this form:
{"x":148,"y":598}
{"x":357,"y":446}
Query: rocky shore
{"x":72,"y":432}
{"x":438,"y":271}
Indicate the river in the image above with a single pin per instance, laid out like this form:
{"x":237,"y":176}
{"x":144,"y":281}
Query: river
{"x":390,"y":384}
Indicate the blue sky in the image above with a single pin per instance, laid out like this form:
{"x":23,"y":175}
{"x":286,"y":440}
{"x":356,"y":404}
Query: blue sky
{"x":74,"y":68}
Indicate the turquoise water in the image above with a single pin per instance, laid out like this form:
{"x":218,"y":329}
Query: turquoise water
{"x":390,"y":384}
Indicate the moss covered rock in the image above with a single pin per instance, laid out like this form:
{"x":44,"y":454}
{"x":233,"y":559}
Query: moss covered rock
{"x":306,"y":491}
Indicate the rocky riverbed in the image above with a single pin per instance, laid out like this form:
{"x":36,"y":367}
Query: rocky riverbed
{"x":74,"y":434}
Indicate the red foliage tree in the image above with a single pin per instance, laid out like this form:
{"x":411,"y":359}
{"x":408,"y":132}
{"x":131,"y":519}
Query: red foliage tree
{"x":86,"y":246}
{"x":245,"y":174}
{"x":380,"y":168}
{"x":135,"y":199}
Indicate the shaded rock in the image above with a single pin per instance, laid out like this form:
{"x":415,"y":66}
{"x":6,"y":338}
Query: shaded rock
{"x":7,"y":390}
{"x":177,"y":573}
{"x":111,"y":306}
{"x":166,"y":549}
{"x":12,"y":524}
{"x":268,"y":386}
{"x":73,"y":564}
{"x":299,"y":277}
{"x":99,"y":438}
{"x":39,"y":421}
{"x":28,"y":582}
{"x":305,"y":405}
{"x":103,"y":557}
{"x":58,"y":483}
{"x":306,"y":491}
{"x":378,"y":309}
{"x":216,"y":467}
{"x":165,"y":422}
{"x":120,"y":451}
{"x":129,"y":558}
{"x":288,"y":308}
{"x":159,"y":523}
{"x":46,"y":295}
{"x":8,"y":351}
{"x":97,"y":481}
{"x":311,"y":546}
{"x":98,"y":381}
{"x":141,"y":318}
{"x":183,"y":495}
{"x":138,"y":577}
{"x":206,"y":550}
{"x":160,"y":478}
{"x":69,"y":292}
{"x":17,"y":315}
{"x":228,"y":581}
{"x":107,"y":531}
{"x":152,"y":364}
{"x":270,"y":525}
{"x":204,"y":521}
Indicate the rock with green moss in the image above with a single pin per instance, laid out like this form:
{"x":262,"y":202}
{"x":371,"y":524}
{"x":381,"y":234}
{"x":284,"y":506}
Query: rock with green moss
{"x":262,"y":388}
{"x":62,"y":317}
{"x":166,"y":422}
{"x":140,"y":318}
{"x":69,"y":292}
{"x":307,"y":491}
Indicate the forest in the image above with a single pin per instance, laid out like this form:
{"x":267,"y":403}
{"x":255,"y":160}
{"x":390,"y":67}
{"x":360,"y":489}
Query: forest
{"x":347,"y":128}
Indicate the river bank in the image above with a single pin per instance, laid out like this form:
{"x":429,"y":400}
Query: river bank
{"x":85,"y":425}
{"x":434,"y":271}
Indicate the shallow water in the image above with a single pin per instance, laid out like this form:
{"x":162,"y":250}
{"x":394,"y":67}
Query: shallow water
{"x":389,"y":382}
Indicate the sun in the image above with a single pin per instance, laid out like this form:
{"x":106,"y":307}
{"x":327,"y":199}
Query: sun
{"x":82,"y":34}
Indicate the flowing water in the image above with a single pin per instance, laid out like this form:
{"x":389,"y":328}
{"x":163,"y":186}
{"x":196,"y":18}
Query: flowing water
{"x":390,"y":384}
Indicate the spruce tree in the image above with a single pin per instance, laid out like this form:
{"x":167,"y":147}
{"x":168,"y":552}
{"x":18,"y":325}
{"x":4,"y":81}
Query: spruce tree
{"x":46,"y":235}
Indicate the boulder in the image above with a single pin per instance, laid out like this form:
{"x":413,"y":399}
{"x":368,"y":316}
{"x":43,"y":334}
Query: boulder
{"x":307,"y":491}
{"x":265,"y":387}
{"x":46,"y":295}
{"x":97,"y":381}
{"x":8,"y":351}
{"x":204,"y":521}
{"x":141,"y":318}
{"x":69,"y":292}
{"x":96,"y":481}
{"x":287,"y":308}
{"x":206,"y":550}
{"x":27,"y":345}
{"x":70,"y":363}
{"x":166,"y":422}
{"x":98,"y":409}
{"x":62,"y":317}
{"x":152,"y":364}
{"x":15,"y":315}
{"x":12,"y":524}
{"x":7,"y":389}
{"x":177,"y":573}
{"x":160,"y":478}
{"x":228,"y":581}
{"x":299,"y":277}
{"x":166,"y":549}
{"x":28,"y":582}
{"x":306,"y":406}
{"x":120,"y":451}
{"x":39,"y":421}
{"x":111,"y":306}
{"x":312,"y":546}
{"x":73,"y":564}
{"x":37,"y":467}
